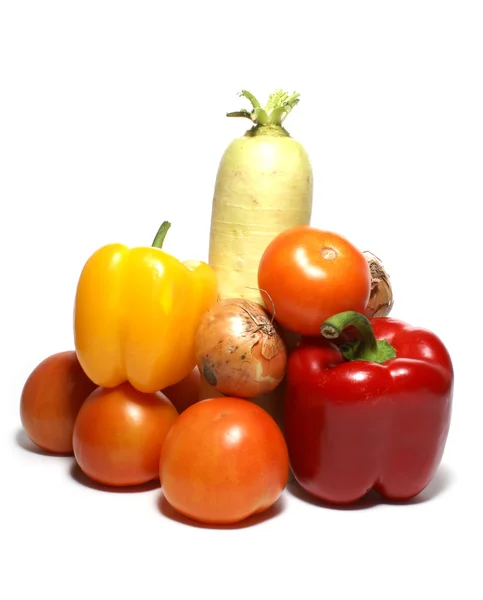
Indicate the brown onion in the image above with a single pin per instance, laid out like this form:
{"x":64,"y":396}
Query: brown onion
{"x":239,"y":350}
{"x":381,"y":299}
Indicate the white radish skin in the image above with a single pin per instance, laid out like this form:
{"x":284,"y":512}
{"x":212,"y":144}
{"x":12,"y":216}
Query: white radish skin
{"x":264,"y":186}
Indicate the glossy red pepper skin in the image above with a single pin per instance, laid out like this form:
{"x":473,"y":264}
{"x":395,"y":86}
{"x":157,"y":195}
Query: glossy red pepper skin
{"x":355,"y":425}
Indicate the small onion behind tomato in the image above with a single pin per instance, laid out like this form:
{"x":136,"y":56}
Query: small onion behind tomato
{"x":239,"y":350}
{"x":381,"y":300}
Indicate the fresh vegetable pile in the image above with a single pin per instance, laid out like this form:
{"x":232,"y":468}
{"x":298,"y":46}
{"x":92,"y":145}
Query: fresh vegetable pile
{"x":216,"y":379}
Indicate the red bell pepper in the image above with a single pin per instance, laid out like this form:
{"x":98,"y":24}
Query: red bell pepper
{"x":372,"y":412}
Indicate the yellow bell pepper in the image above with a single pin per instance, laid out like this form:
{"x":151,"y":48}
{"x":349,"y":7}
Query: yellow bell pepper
{"x":136,"y":314}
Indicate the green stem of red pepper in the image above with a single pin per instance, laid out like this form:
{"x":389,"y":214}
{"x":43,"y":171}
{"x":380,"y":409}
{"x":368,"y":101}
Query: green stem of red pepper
{"x":162,"y":231}
{"x":366,"y":347}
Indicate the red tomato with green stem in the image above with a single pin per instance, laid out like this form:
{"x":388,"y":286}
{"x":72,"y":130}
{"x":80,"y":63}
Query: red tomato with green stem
{"x":119,"y":432}
{"x":306,"y":275}
{"x":223,"y":460}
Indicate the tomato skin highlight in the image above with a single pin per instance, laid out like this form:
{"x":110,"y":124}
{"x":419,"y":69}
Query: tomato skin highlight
{"x":223,"y":460}
{"x":309,"y":274}
{"x":119,"y":433}
{"x":50,"y":400}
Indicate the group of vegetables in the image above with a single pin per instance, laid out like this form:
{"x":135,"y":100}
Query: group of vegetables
{"x":219,"y":378}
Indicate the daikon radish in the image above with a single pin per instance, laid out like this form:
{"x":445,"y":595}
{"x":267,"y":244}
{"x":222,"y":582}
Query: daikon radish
{"x":264,"y":186}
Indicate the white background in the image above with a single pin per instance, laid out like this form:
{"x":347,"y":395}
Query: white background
{"x":112,"y":120}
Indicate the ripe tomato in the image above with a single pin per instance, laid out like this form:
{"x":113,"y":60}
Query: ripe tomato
{"x":51,"y":399}
{"x":223,"y":460}
{"x":119,"y":432}
{"x":309,"y":274}
{"x":186,"y":392}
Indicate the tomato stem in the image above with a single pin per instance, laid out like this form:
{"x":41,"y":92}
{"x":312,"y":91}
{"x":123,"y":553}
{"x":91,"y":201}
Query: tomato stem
{"x":366,"y":348}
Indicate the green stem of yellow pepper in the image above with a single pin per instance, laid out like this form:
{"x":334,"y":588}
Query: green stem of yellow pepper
{"x":162,"y":231}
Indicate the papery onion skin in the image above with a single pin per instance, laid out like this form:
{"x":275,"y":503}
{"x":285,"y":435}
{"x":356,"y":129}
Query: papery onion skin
{"x":381,"y":299}
{"x":239,"y":350}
